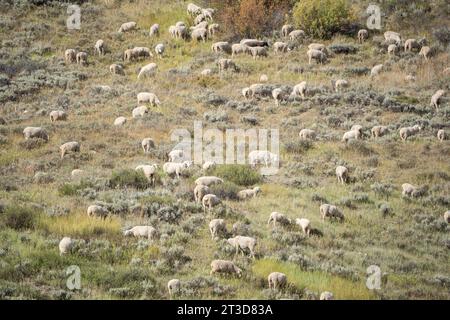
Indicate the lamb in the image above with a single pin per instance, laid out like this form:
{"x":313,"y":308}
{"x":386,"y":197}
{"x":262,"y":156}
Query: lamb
{"x":286,"y":30}
{"x":159,"y":49}
{"x":69,"y":147}
{"x":243,"y":243}
{"x":411,"y":44}
{"x":307,"y":134}
{"x":127,"y":26}
{"x":70,"y":55}
{"x":225,"y":266}
{"x":441,"y":135}
{"x":97,"y":211}
{"x":391,"y":36}
{"x":225,"y":64}
{"x":437,"y":98}
{"x":173,"y":286}
{"x":447,"y":216}
{"x":139,"y":112}
{"x":296,"y":35}
{"x":326,"y":295}
{"x":248,"y":193}
{"x":277,"y":280}
{"x":65,"y":246}
{"x":176,"y":168}
{"x":154,"y":30}
{"x":208,"y":180}
{"x":280,"y":47}
{"x":363,"y":34}
{"x":100,"y":47}
{"x":142,"y":231}
{"x":342,"y":174}
{"x":352,"y":135}
{"x":409,"y":131}
{"x":339,"y":84}
{"x":262,"y":157}
{"x":58,"y":115}
{"x":193,"y":9}
{"x":392,"y":49}
{"x":120,"y":121}
{"x":408,"y":190}
{"x":331,"y":211}
{"x":210,"y":200}
{"x":221,"y":46}
{"x":116,"y":69}
{"x":379,"y":131}
{"x":254,"y":43}
{"x":149,"y":172}
{"x":425,"y":52}
{"x":276,"y":217}
{"x":176,"y":155}
{"x":149,"y":97}
{"x":82,"y":58}
{"x":376,"y":70}
{"x":213,"y":28}
{"x":317,"y":55}
{"x":147,"y":70}
{"x":279,"y":96}
{"x":199,"y":192}
{"x":200,"y":34}
{"x":305,"y":224}
{"x":209,"y":165}
{"x":300,"y":89}
{"x":239,"y":48}
{"x":147,"y":144}
{"x":216,"y":227}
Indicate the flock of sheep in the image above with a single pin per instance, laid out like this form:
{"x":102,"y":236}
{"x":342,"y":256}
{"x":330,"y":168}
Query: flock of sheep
{"x":202,"y":30}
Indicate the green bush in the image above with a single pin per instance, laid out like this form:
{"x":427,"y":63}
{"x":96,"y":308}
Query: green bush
{"x":129,"y":178}
{"x":323,"y":18}
{"x":226,"y":190}
{"x":239,"y":174}
{"x":18,"y":218}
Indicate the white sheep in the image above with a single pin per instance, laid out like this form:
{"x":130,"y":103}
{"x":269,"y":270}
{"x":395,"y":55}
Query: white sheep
{"x":305,"y":224}
{"x":286,"y":30}
{"x":221,"y":46}
{"x":181,"y":32}
{"x":129,"y":55}
{"x":379,"y":131}
{"x":120,"y":121}
{"x":263,"y":78}
{"x":82,"y":58}
{"x":376,"y":70}
{"x":326,"y":295}
{"x":193,"y":9}
{"x":391,"y":36}
{"x":116,"y":69}
{"x":257,"y":52}
{"x":173,"y":286}
{"x":200,"y":191}
{"x":139,"y":112}
{"x":300,"y":90}
{"x":210,"y":200}
{"x":176,"y":155}
{"x":154,"y":30}
{"x":425,"y":52}
{"x":70,"y":55}
{"x":239,"y":48}
{"x":279,"y":96}
{"x":437,"y":98}
{"x":307,"y":134}
{"x":58,"y":115}
{"x":392,"y":49}
{"x":276,"y":217}
{"x":408,"y":190}
{"x":225,"y":64}
{"x":200,"y":34}
{"x":217,"y":227}
{"x":147,"y":144}
{"x":330,"y":211}
{"x":142,"y":231}
{"x":248,"y":193}
{"x":176,"y":168}
{"x":340,"y":84}
{"x":77,"y":173}
{"x":173,"y":31}
{"x":200,"y":18}
{"x":209,"y":165}
{"x":206,"y":72}
{"x":65,"y":246}
{"x":277,"y":280}
{"x":97,"y":211}
{"x":149,"y":172}
{"x":224,"y":266}
{"x":127,"y":26}
{"x":148,"y":97}
{"x":411,"y":44}
{"x":352,"y":135}
{"x":213,"y":28}
{"x":246,"y":92}
{"x":342,"y":174}
{"x":296,"y":35}
{"x":208,"y":180}
{"x":147,"y":70}
{"x":69,"y":147}
{"x":318,"y":46}
{"x":407,"y":132}
{"x":441,"y":135}
{"x":243,"y":243}
{"x":100,"y":47}
{"x":447,"y":216}
{"x":262,"y":157}
{"x":363,"y":34}
{"x":141,"y":52}
{"x":159,"y":49}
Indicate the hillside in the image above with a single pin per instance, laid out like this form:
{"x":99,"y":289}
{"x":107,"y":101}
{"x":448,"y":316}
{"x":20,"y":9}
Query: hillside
{"x":40,"y":201}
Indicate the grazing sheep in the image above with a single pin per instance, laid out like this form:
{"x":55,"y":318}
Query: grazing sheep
{"x":200,"y":18}
{"x":437,"y":98}
{"x":127,"y":26}
{"x":193,"y":9}
{"x":200,"y":34}
{"x":248,"y":193}
{"x":70,"y":55}
{"x":352,"y":135}
{"x":305,"y":224}
{"x":176,"y":168}
{"x":149,"y":172}
{"x":363,"y":35}
{"x":142,"y":231}
{"x":280,"y":47}
{"x":317,"y":55}
{"x":141,"y":52}
{"x":201,"y":25}
{"x":411,"y":44}
{"x":58,"y":115}
{"x":342,"y":174}
{"x":379,"y":131}
{"x":258,"y":90}
{"x":326,"y":295}
{"x":408,"y":190}
{"x":173,"y":31}
{"x":300,"y":89}
{"x":376,"y":70}
{"x":129,"y":55}
{"x":209,"y":165}
{"x":279,"y":96}
{"x":139,"y":112}
{"x":210,"y":200}
{"x":174,"y":287}
{"x":339,"y":84}
{"x":213,"y":29}
{"x":206,"y":72}
{"x":221,"y":46}
{"x":148,"y":97}
{"x":277,"y":280}
{"x":100,"y":47}
{"x":447,"y":216}
{"x":331,"y":211}
{"x":307,"y":134}
{"x":409,"y":131}
{"x":392,"y":49}
{"x":159,"y":49}
{"x":239,"y":48}
{"x":286,"y":30}
{"x":262,"y":157}
{"x":242,"y":243}
{"x":225,"y":266}
{"x":176,"y":155}
{"x":82,"y":58}
{"x":225,"y":64}
{"x":65,"y":245}
{"x":181,"y":32}
{"x":276,"y":217}
{"x":425,"y":52}
{"x":296,"y":35}
{"x":116,"y":69}
{"x":147,"y":70}
{"x":441,"y":135}
{"x":318,"y":46}
{"x":120,"y":121}
{"x":217,"y":227}
{"x":97,"y":211}
{"x":391,"y":36}
{"x":147,"y":144}
{"x":357,"y":127}
{"x":254,"y":43}
{"x":69,"y":147}
{"x":200,"y":191}
{"x":208,"y":180}
{"x":154,"y":30}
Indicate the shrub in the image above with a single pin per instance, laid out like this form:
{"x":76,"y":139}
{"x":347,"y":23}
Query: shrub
{"x":239,"y":174}
{"x":323,"y":18}
{"x":299,"y":147}
{"x":382,"y":190}
{"x":18,"y":218}
{"x":128,"y":178}
{"x":226,"y":190}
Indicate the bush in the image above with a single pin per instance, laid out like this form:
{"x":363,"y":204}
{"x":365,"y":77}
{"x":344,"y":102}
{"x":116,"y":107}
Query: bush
{"x":298,"y":147}
{"x":323,"y":18}
{"x":242,"y":175}
{"x":129,"y":178}
{"x":18,"y":218}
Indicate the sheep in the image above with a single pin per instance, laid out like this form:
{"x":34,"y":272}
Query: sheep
{"x":221,"y":46}
{"x":127,"y":26}
{"x":447,"y":216}
{"x":286,"y":29}
{"x":174,"y":287}
{"x":208,"y":181}
{"x":437,"y":98}
{"x":149,"y":97}
{"x":172,"y":31}
{"x":209,"y":12}
{"x":410,"y":78}
{"x":120,"y":121}
{"x":392,"y":49}
{"x":159,"y":49}
{"x":379,"y":131}
{"x":352,"y":135}
{"x":213,"y":28}
{"x":199,"y":192}
{"x":263,"y":78}
{"x":201,"y":25}
{"x":116,"y":69}
{"x":409,"y":131}
{"x":176,"y":168}
{"x":425,"y":52}
{"x":276,"y":217}
{"x":154,"y":30}
{"x":317,"y":55}
{"x":147,"y":144}
{"x":391,"y":36}
{"x":225,"y":64}
{"x":356,"y":127}
{"x":129,"y":55}
{"x":176,"y":155}
{"x":254,"y":43}
{"x":70,"y":55}
{"x":65,"y":245}
{"x":97,"y":211}
{"x":142,"y":231}
{"x":239,"y":48}
{"x":100,"y":47}
{"x":206,"y":72}
{"x":76,"y":173}
{"x":210,"y":200}
{"x":408,"y":190}
{"x":216,"y":227}
{"x":280,"y":47}
{"x":200,"y":34}
{"x":209,"y":165}
{"x":331,"y":211}
{"x":326,"y":295}
{"x":441,"y":135}
{"x":342,"y":174}
{"x":68,"y":147}
{"x":318,"y":46}
{"x":248,"y":193}
{"x":277,"y":280}
{"x":363,"y":34}
{"x":199,"y":18}
{"x":307,"y":134}
{"x":147,"y":70}
{"x":258,"y":90}
{"x":299,"y":89}
{"x":246,"y":92}
{"x":58,"y":115}
{"x":339,"y":84}
{"x":35,"y":132}
{"x":411,"y":44}
{"x":376,"y":70}
{"x":256,"y":52}
{"x":82,"y":58}
{"x":181,"y":32}
{"x":242,"y":243}
{"x":193,"y":9}
{"x":141,"y":52}
{"x":225,"y":266}
{"x":296,"y":35}
{"x":180,"y":24}
{"x":139,"y":112}
{"x":279,"y":96}
{"x":305,"y":224}
{"x":149,"y":172}
{"x":262,"y":157}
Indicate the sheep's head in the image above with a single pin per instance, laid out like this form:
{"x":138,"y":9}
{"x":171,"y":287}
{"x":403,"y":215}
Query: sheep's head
{"x":257,"y":190}
{"x":126,"y":233}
